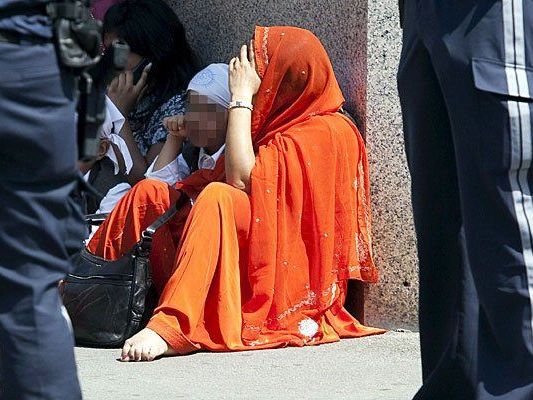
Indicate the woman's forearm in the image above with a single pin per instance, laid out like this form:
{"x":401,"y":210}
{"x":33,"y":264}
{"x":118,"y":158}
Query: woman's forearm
{"x":170,"y":151}
{"x":139,"y":163}
{"x":244,"y":83}
{"x":239,"y":153}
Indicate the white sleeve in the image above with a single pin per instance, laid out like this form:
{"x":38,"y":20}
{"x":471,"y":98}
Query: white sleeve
{"x":112,"y":197}
{"x":171,"y":173}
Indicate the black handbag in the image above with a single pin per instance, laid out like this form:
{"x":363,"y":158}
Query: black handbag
{"x":110,"y":301}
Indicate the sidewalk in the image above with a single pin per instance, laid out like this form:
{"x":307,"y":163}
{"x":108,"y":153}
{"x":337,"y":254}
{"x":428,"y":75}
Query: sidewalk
{"x":385,"y":367}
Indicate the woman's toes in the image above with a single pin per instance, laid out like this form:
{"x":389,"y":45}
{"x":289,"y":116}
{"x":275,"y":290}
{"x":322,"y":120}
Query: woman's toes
{"x":146,"y":355}
{"x":138,"y":352}
{"x":145,"y":346}
{"x":125,"y":351}
{"x":133,"y":347}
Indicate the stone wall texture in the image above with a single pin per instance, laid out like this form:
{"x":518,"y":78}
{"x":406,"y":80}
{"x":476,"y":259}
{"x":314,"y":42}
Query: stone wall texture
{"x":393,"y":302}
{"x":363,"y":41}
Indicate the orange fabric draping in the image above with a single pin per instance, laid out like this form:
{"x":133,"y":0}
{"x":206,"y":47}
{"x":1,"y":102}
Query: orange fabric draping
{"x":267,"y":269}
{"x":309,"y":189}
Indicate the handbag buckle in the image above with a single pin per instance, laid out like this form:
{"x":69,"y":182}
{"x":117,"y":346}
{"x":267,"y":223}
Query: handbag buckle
{"x":145,"y":245}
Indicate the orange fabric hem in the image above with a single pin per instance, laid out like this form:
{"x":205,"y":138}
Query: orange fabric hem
{"x":175,"y":339}
{"x":365,"y":331}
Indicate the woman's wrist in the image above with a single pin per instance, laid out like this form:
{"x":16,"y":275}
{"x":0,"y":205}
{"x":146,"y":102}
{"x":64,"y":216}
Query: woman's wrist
{"x":242,"y":96}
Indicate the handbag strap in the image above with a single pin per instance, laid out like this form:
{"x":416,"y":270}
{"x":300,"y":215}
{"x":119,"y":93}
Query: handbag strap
{"x":96,"y":219}
{"x":145,"y":244}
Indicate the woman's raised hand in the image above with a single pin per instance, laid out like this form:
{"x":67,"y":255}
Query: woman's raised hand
{"x":174,"y":125}
{"x":244,"y":81}
{"x":123,"y":93}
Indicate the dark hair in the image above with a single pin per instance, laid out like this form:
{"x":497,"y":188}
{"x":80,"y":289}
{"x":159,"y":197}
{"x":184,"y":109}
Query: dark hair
{"x":153,"y":30}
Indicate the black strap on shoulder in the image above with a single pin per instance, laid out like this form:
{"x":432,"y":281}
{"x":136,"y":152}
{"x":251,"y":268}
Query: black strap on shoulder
{"x":145,"y":243}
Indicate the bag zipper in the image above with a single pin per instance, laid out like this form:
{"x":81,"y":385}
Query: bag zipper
{"x":119,"y":279}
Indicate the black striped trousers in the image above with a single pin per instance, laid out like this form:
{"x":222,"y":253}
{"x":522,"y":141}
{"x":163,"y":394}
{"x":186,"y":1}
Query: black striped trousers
{"x":466,"y":87}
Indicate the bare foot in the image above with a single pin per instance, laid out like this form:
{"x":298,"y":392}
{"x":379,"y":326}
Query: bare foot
{"x":146,"y":346}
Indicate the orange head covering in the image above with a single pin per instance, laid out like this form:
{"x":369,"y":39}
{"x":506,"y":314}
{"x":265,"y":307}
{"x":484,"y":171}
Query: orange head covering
{"x":297,"y":80}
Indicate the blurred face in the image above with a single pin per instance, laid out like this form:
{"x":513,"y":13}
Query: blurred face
{"x":205,"y":122}
{"x":133,"y":58}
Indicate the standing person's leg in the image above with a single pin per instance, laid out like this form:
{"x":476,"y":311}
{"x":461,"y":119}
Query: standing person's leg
{"x":447,"y":304}
{"x":480,"y":53}
{"x":37,"y":174}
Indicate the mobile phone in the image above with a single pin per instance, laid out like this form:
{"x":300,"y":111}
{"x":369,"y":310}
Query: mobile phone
{"x":138,"y":70}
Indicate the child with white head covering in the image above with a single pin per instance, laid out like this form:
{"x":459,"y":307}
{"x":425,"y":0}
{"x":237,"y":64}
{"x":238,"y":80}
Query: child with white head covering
{"x":196,"y":140}
{"x":213,"y":82}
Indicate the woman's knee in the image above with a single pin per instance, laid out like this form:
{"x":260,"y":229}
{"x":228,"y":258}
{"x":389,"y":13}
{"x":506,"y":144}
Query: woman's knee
{"x":217,"y":191}
{"x":151,"y":190}
{"x":219,"y":196}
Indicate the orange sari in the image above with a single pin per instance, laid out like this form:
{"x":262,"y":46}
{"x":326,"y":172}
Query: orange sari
{"x":267,"y":269}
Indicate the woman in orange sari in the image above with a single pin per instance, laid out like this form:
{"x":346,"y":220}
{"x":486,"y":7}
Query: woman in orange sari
{"x":262,"y":258}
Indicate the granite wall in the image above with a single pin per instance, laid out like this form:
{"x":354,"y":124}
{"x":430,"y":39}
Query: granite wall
{"x":365,"y":66}
{"x":392,"y":302}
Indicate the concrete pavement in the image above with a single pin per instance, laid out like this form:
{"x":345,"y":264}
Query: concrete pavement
{"x":385,"y":367}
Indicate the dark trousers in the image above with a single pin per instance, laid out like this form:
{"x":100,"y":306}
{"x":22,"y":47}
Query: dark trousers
{"x":466,"y":88}
{"x":38,"y":223}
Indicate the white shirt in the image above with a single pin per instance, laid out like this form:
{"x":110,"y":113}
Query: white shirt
{"x":112,"y":197}
{"x":178,"y":169}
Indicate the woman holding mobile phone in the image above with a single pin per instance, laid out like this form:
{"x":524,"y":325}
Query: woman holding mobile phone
{"x":160,"y":65}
